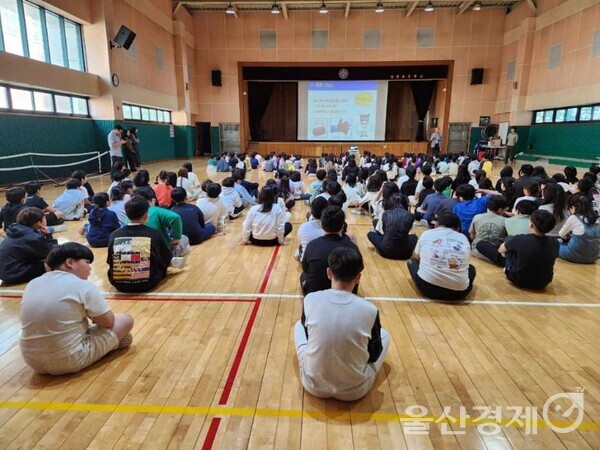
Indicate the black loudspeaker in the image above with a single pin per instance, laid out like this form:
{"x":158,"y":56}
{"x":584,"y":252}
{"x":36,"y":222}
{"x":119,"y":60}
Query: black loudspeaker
{"x":477,"y":76}
{"x":124,"y":37}
{"x":216,"y":77}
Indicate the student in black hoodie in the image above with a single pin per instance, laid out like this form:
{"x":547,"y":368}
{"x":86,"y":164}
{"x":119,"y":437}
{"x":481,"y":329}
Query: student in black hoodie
{"x":23,"y":251}
{"x":15,"y":197}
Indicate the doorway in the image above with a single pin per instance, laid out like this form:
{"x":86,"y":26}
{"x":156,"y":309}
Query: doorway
{"x":458,"y":139}
{"x":203,"y":146}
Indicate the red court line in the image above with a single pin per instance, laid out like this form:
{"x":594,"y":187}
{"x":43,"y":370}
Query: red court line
{"x":216,"y":421}
{"x":212,"y":433}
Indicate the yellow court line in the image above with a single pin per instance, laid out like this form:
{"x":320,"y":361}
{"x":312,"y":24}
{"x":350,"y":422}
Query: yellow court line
{"x":284,"y":413}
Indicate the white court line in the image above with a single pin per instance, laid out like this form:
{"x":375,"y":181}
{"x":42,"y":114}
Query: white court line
{"x":378,"y":299}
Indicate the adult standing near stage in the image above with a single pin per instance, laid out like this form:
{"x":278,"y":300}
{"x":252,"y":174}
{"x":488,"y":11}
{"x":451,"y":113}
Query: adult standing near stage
{"x":135,"y":141}
{"x":436,"y":141}
{"x":114,"y":145}
{"x":511,"y":140}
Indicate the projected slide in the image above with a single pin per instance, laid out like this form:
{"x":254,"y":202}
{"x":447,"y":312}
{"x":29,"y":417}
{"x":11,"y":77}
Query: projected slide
{"x":342,"y":110}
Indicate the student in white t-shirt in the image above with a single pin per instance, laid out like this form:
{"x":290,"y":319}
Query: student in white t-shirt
{"x":57,"y":336}
{"x":339,"y":340}
{"x":311,"y":229}
{"x":440,"y":264}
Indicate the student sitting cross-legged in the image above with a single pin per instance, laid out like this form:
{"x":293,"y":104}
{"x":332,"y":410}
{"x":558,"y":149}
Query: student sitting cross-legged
{"x":265,"y":223}
{"x":528,"y":259}
{"x":67,"y":324}
{"x":440,"y":265}
{"x":192,"y":218}
{"x":138,"y":256}
{"x":339,"y":340}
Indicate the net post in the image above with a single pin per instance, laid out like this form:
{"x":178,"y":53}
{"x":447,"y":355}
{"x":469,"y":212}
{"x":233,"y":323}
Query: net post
{"x":99,"y":163}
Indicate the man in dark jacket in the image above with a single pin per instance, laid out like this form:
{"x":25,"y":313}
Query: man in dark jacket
{"x":23,"y":251}
{"x":395,"y":242}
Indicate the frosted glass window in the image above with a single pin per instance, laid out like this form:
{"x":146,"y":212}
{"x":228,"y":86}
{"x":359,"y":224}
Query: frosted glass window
{"x":80,"y":106}
{"x":3,"y":97}
{"x":153,"y":115}
{"x":127,"y":112}
{"x":548,"y":116}
{"x":571,"y":114}
{"x":35,"y":38}
{"x":160,"y":115}
{"x":595,"y":114}
{"x":11,"y":27}
{"x":43,"y":102}
{"x":145,"y":114}
{"x":63,"y":104}
{"x":73,"y":46}
{"x":585,"y":114}
{"x":539,"y":117}
{"x":560,"y":115}
{"x":136,"y":113}
{"x":21,"y":99}
{"x":57,"y":54}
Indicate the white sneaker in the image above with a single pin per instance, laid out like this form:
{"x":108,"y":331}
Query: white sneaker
{"x":357,"y":212}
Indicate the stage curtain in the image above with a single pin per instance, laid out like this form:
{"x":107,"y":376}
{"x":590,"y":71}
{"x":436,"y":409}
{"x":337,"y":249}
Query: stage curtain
{"x":422,"y":93}
{"x":273,"y":108}
{"x":401,"y":117}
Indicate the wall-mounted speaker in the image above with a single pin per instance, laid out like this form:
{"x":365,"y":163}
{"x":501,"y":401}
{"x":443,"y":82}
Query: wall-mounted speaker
{"x":477,"y":76}
{"x":216,"y":77}
{"x":124,"y":37}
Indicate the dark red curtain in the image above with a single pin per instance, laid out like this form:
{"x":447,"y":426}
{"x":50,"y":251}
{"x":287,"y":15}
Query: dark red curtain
{"x":422,"y":93}
{"x":401,"y":116}
{"x":273,"y":111}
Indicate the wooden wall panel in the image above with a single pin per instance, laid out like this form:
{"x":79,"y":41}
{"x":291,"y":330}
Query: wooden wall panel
{"x":311,"y":149}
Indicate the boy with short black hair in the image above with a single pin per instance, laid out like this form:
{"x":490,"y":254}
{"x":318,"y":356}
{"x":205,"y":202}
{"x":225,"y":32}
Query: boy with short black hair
{"x":470,"y":206}
{"x":191,"y":217}
{"x":316,"y":187}
{"x":339,"y":340}
{"x":212,"y":207}
{"x":138,"y":256}
{"x":231,"y":199}
{"x":56,"y":311}
{"x":519,"y":223}
{"x":489,"y":226}
{"x":34,"y":200}
{"x":15,"y":197}
{"x":528,"y":259}
{"x":427,"y":210}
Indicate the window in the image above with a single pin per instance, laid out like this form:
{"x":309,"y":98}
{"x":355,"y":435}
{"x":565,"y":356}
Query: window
{"x":63,"y":104}
{"x":21,"y":99}
{"x":80,"y":106}
{"x":3,"y":97}
{"x":146,"y":114}
{"x":585,"y":114}
{"x":31,"y":31}
{"x":539,"y":117}
{"x":35,"y":39}
{"x":595,"y":114}
{"x":548,"y":116}
{"x":571,"y":114}
{"x":127,"y":112}
{"x":43,"y":101}
{"x":560,"y":115}
{"x":57,"y":54}
{"x":11,"y":27}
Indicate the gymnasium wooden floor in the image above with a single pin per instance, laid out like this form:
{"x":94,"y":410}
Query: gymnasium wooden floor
{"x":213,"y":363}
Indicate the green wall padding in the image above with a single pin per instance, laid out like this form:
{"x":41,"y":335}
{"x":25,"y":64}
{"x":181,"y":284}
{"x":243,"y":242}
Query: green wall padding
{"x":215,"y":142}
{"x":575,"y":140}
{"x":185,"y":141}
{"x":155,"y":141}
{"x":567,"y":162}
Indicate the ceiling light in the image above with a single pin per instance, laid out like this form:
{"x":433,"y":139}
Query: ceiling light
{"x":477,"y":6}
{"x":429,"y":7}
{"x":275,"y":9}
{"x":230,"y":9}
{"x":323,"y":8}
{"x":379,"y":8}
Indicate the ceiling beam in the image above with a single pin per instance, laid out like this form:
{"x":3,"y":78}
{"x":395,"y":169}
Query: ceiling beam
{"x":236,"y":11}
{"x":284,"y":10}
{"x":531,"y":4}
{"x":465,"y":6}
{"x":412,"y":8}
{"x":347,"y":11}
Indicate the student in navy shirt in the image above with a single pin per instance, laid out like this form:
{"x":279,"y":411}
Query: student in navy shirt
{"x":431,"y":203}
{"x":102,"y":222}
{"x":192,"y":218}
{"x":470,"y":206}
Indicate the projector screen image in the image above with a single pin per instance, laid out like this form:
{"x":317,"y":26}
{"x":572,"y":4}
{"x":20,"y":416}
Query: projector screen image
{"x":342,"y":110}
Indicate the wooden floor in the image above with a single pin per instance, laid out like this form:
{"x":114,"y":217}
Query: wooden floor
{"x":213,"y":363}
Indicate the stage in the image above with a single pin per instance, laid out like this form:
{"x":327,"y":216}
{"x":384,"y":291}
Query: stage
{"x":316,"y":149}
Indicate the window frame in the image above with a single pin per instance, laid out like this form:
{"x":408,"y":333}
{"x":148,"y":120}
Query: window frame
{"x":12,"y":110}
{"x":45,"y":38}
{"x":566,"y":109}
{"x":165,"y":113}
